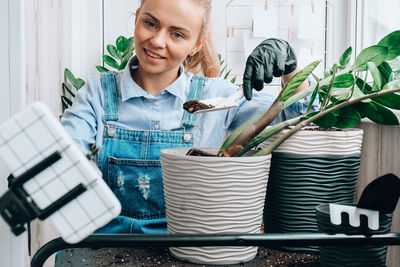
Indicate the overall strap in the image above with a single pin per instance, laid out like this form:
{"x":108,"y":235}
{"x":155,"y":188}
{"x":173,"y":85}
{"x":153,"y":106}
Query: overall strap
{"x":195,"y":92}
{"x":109,"y":85}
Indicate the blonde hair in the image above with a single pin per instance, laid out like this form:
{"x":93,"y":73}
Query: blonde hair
{"x":206,"y":60}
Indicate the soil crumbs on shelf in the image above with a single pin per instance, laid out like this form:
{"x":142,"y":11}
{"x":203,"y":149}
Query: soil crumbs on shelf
{"x":161,"y":257}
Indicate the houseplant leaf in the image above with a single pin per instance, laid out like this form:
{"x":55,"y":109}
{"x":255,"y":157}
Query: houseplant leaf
{"x":110,"y":61}
{"x":347,"y":117}
{"x":78,"y":83}
{"x":345,"y":58}
{"x":386,"y":72}
{"x":113,"y":51}
{"x":383,"y":115}
{"x":102,"y":69}
{"x":391,"y":41}
{"x":297,"y":80}
{"x":343,"y":81}
{"x":122,"y":43}
{"x":375,"y":53}
{"x":375,"y":74}
{"x":327,"y":121}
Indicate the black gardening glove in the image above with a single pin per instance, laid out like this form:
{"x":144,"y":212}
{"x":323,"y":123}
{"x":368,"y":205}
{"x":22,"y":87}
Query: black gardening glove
{"x":272,"y":57}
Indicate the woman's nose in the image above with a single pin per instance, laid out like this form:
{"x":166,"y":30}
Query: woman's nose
{"x":158,"y":40}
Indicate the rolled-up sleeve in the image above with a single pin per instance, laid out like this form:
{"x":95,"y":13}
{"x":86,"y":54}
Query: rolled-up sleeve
{"x":83,"y":120}
{"x":261,"y":102}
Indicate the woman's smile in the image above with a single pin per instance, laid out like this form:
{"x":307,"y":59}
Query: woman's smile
{"x":153,"y":55}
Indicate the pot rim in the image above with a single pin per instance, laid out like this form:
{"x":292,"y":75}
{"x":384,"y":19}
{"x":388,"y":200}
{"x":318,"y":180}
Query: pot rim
{"x":180,"y":152}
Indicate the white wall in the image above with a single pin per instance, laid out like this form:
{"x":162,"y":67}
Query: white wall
{"x":12,"y":80}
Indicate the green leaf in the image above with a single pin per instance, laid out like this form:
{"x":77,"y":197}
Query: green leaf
{"x":392,"y":42}
{"x":347,"y":117}
{"x":327,"y":121}
{"x":357,"y":93}
{"x":123,"y":64}
{"x":69,"y":75}
{"x":392,"y":85}
{"x":363,"y":86}
{"x":113,"y":51}
{"x":375,"y":53}
{"x":297,"y":80}
{"x":386,"y":72}
{"x":102,"y":69}
{"x":383,"y":115}
{"x":389,"y":100}
{"x":343,"y":81}
{"x":66,"y":88}
{"x":110,"y":61}
{"x":227,"y":74}
{"x":122,"y":44}
{"x":313,"y":96}
{"x":78,"y":83}
{"x":376,"y":75}
{"x":345,"y":58}
{"x":66,"y":101}
{"x":365,"y":109}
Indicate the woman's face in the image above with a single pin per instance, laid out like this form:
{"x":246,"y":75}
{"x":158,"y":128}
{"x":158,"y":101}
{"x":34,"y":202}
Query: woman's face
{"x":166,"y":32}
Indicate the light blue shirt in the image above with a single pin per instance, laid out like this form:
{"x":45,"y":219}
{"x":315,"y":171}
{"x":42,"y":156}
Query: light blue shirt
{"x":140,"y":110}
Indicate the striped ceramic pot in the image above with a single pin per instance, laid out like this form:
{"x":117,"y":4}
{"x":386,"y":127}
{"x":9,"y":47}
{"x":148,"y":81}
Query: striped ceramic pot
{"x":312,"y":167}
{"x":213,"y":195}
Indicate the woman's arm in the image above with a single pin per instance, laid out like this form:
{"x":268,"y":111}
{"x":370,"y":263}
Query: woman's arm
{"x":286,"y":77}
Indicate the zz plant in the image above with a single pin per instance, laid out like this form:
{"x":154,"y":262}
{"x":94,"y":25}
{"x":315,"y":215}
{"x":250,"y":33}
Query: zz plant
{"x":119,"y":55}
{"x":338,"y":108}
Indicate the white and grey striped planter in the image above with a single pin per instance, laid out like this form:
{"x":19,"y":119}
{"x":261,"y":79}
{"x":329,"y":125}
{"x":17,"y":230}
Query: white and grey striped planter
{"x":213,"y":195}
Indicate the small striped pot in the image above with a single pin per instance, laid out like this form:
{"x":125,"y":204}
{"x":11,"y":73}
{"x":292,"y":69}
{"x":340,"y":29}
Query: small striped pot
{"x":311,"y":167}
{"x":351,"y":256}
{"x":213,"y":195}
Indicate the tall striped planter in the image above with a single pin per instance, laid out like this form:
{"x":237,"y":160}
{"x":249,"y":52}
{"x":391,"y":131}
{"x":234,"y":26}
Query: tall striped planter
{"x":312,"y":167}
{"x":213,"y":195}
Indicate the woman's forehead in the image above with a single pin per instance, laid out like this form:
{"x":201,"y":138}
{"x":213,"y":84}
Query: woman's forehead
{"x":177,"y":13}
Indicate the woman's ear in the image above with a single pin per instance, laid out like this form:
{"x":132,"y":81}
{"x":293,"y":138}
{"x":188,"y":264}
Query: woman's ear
{"x":199,"y":45}
{"x":137,"y":14}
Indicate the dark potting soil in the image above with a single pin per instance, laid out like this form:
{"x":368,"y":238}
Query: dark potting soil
{"x":161,"y":257}
{"x":195,"y":105}
{"x":198,"y":152}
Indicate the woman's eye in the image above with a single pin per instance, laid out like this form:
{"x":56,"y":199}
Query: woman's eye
{"x":149,"y":23}
{"x":177,"y":35}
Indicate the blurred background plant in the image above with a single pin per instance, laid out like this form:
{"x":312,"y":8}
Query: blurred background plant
{"x":119,"y":55}
{"x":70,"y":87}
{"x":224,"y":69}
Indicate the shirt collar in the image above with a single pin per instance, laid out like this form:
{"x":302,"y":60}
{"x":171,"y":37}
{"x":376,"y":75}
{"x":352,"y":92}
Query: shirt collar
{"x":130,"y":89}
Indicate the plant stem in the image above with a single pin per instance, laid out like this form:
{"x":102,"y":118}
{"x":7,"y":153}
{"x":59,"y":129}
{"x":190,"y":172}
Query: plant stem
{"x":309,"y":90}
{"x":268,"y":132}
{"x":304,"y":123}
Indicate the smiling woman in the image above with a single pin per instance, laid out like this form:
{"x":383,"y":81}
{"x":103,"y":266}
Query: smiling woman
{"x":169,"y":33}
{"x":133,"y":114}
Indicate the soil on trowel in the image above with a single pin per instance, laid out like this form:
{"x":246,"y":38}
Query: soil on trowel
{"x":195,"y":105}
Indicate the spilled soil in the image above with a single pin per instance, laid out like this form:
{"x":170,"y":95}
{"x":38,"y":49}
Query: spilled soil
{"x":160,"y":256}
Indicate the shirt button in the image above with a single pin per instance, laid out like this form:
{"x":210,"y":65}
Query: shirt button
{"x":187,"y":137}
{"x":157,"y":103}
{"x":163,"y":92}
{"x":156,"y":126}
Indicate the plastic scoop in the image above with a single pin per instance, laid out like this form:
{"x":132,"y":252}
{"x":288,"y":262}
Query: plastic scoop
{"x":220,"y":103}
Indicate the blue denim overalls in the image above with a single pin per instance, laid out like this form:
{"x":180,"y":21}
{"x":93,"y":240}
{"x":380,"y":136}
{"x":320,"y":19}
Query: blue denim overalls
{"x":131,"y":166}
